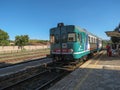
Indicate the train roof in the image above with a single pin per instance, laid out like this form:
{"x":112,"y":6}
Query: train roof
{"x":112,"y":33}
{"x":62,"y":26}
{"x":80,"y":29}
{"x":84,"y":30}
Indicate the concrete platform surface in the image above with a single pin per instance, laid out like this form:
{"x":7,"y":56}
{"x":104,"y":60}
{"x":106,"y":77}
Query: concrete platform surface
{"x":95,"y":74}
{"x":20,"y":67}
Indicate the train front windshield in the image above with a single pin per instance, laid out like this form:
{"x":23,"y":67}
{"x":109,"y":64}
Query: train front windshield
{"x":64,"y":38}
{"x":71,"y":37}
{"x":52,"y":39}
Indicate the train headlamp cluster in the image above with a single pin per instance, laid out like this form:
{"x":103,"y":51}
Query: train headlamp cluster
{"x":60,"y":24}
{"x":70,"y":50}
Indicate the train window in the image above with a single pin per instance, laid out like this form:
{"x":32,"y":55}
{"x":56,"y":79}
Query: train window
{"x":95,"y":40}
{"x":89,"y":39}
{"x":52,"y":39}
{"x":80,"y":38}
{"x":64,"y":38}
{"x":92,"y":40}
{"x":71,"y":37}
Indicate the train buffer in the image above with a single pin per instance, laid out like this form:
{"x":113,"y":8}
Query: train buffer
{"x":102,"y":73}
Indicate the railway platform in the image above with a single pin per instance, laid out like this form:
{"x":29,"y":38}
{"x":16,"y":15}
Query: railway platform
{"x":23,"y":66}
{"x":101,"y":73}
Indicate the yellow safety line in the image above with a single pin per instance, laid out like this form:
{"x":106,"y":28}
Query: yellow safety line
{"x":96,"y":62}
{"x":85,"y":77}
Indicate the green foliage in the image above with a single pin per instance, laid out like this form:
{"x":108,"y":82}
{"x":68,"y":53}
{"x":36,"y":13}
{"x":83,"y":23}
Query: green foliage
{"x":21,"y":41}
{"x":4,"y":38}
{"x":105,"y":42}
{"x":35,"y":41}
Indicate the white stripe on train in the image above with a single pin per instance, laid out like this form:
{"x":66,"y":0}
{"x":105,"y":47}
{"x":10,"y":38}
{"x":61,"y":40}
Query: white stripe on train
{"x":70,"y":52}
{"x":81,"y":52}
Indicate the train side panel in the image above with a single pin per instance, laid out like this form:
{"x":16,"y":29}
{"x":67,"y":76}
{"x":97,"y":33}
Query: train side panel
{"x":82,"y":47}
{"x":93,"y":43}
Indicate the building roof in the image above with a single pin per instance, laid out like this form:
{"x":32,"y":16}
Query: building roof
{"x":112,"y":34}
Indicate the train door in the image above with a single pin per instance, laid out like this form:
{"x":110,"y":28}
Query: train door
{"x":62,"y":41}
{"x":80,"y":42}
{"x":86,"y":42}
{"x":83,"y":41}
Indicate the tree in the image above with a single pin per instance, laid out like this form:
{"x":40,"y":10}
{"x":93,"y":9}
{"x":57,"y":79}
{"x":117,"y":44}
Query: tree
{"x":21,"y":41}
{"x":4,"y":38}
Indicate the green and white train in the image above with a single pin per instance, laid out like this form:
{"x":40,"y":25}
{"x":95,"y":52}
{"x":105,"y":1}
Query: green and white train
{"x":70,"y":42}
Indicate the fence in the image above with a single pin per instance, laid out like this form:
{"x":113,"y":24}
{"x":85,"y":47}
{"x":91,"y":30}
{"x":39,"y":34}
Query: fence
{"x":7,"y":49}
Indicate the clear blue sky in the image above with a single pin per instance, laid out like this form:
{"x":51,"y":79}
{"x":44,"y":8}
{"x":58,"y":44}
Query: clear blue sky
{"x":36,"y":17}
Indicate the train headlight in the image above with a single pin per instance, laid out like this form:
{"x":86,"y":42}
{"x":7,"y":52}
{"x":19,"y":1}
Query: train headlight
{"x":70,"y":50}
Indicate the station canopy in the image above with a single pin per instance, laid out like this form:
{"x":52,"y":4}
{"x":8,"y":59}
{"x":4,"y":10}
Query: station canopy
{"x":112,"y":34}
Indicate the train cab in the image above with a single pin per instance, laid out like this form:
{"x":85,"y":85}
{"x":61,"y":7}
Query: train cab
{"x":61,"y":38}
{"x":70,"y":42}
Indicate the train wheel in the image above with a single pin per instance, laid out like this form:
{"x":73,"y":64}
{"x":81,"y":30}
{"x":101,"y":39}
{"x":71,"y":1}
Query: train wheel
{"x":90,"y":55}
{"x":81,"y":59}
{"x":53,"y":59}
{"x":85,"y":58}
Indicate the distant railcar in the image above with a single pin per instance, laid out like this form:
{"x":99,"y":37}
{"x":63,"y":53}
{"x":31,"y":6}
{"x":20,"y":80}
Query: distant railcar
{"x":70,"y":42}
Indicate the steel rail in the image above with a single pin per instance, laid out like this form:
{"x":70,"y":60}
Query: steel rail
{"x":47,"y":84}
{"x":22,"y":81}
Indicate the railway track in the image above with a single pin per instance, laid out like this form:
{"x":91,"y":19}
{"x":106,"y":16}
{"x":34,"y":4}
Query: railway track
{"x":21,"y":57}
{"x":38,"y":82}
{"x":24,"y":60}
{"x":52,"y":73}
